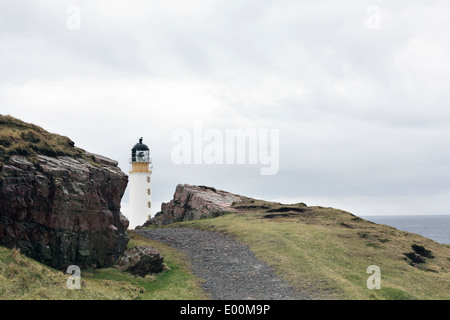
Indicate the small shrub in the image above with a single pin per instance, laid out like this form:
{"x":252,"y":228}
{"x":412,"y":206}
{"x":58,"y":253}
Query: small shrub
{"x":5,"y":141}
{"x":19,"y":150}
{"x":363,"y":235}
{"x":30,"y":136}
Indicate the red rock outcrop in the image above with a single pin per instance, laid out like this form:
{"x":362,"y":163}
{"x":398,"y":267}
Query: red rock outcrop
{"x":63,"y":211}
{"x":194,"y":202}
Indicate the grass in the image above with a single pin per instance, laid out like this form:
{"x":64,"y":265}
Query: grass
{"x":25,"y":139}
{"x":22,"y":278}
{"x":323,"y":251}
{"x":176,"y":283}
{"x":326,"y":251}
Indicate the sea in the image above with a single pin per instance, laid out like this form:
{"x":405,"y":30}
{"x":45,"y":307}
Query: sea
{"x":435,"y":227}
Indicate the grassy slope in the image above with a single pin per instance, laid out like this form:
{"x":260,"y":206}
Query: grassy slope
{"x":326,"y":251}
{"x":24,"y":278}
{"x":323,"y":251}
{"x":25,"y":139}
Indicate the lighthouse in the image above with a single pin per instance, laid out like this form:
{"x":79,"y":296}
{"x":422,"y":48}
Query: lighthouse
{"x":139,"y":183}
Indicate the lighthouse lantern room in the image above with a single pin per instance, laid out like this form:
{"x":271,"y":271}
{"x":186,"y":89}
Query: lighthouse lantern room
{"x":139,"y":183}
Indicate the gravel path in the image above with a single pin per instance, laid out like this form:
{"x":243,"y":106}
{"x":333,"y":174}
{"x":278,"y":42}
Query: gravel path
{"x":229,"y":269}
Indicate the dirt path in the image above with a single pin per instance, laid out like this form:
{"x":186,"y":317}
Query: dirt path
{"x":229,"y":269}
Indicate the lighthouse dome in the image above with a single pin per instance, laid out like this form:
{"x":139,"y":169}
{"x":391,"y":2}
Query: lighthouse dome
{"x":140,"y":152}
{"x":140,"y":146}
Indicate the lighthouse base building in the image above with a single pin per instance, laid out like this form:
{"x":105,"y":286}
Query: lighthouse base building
{"x":140,"y":195}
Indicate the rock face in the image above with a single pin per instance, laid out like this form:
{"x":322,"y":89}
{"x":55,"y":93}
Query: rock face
{"x":193,"y":203}
{"x":63,"y":211}
{"x":141,"y":261}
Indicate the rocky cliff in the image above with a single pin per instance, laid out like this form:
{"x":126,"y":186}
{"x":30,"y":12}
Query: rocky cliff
{"x":194,"y":202}
{"x":60,"y":210}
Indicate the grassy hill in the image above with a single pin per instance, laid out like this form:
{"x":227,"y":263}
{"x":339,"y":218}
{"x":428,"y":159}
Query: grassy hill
{"x":22,"y":278}
{"x":326,"y":252}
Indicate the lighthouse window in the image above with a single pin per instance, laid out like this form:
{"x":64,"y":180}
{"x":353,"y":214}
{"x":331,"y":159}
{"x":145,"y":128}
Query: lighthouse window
{"x":148,"y":191}
{"x":149,"y":204}
{"x":148,"y":179}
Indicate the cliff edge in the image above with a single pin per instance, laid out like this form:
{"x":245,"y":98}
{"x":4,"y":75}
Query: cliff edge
{"x":58,"y":203}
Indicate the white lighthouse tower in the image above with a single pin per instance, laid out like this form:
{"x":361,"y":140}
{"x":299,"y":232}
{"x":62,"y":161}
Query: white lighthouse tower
{"x":139,"y":182}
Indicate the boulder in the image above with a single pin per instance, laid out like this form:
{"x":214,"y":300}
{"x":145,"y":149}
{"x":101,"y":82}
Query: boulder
{"x":63,"y":211}
{"x":415,"y":258}
{"x":422,"y":251}
{"x":192,"y":203}
{"x":419,"y":254}
{"x":141,"y":261}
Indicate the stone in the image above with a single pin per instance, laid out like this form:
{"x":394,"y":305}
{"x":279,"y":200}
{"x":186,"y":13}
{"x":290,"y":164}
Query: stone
{"x":419,"y":254}
{"x":422,"y":251}
{"x":141,"y":261}
{"x":192,"y":203}
{"x":415,"y":258}
{"x":63,"y":211}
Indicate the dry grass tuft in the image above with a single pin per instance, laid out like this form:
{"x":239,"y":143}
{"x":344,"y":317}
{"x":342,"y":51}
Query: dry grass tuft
{"x":25,"y":139}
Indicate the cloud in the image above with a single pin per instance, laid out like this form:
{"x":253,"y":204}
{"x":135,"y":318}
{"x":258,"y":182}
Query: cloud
{"x":362,"y":113}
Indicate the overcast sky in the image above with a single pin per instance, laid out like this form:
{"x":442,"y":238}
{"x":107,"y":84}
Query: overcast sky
{"x":359,"y":91}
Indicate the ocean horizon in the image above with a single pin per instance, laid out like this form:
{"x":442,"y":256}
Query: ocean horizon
{"x":434,"y":227}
